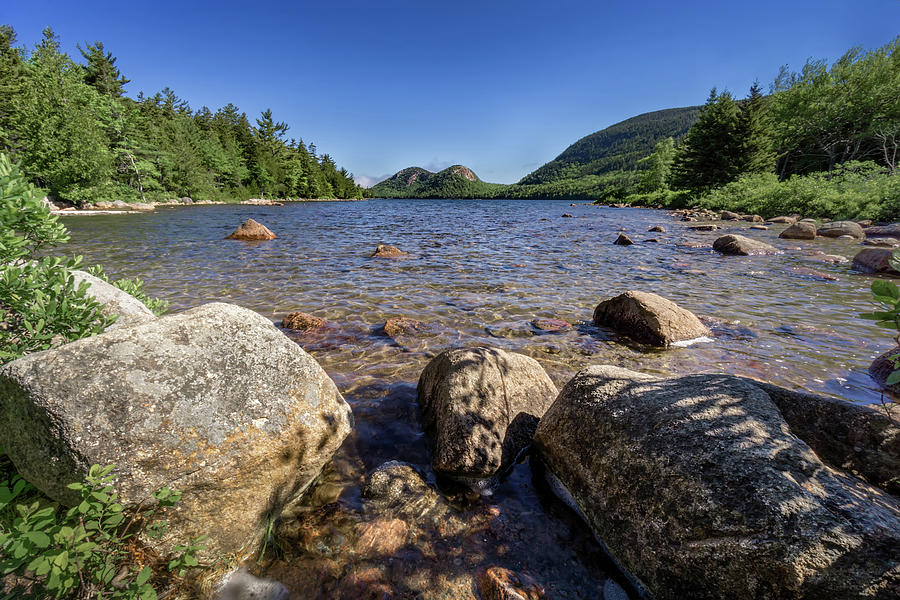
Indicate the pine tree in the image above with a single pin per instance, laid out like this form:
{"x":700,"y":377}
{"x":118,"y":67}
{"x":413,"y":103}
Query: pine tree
{"x":758,"y":154}
{"x":100,"y":70}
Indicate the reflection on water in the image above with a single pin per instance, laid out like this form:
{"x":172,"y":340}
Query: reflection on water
{"x":478,"y":273}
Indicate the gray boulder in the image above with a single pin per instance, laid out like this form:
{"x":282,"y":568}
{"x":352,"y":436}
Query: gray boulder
{"x":699,"y":489}
{"x":837,"y":229}
{"x":214,"y":401}
{"x":875,"y":260}
{"x":801,"y":230}
{"x":480,"y":407}
{"x":649,"y":318}
{"x":114,"y":301}
{"x":890,"y":231}
{"x":783,"y":219}
{"x":739,"y":245}
{"x":728,"y":215}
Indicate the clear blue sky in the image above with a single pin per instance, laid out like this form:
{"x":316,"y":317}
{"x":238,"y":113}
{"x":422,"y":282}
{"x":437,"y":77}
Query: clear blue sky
{"x":501,"y":86}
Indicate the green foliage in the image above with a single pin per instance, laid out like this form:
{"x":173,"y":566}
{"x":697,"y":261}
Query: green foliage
{"x":453,"y":182}
{"x":40,"y":305}
{"x":134,"y":287}
{"x":887,"y":294}
{"x":655,"y":177}
{"x":82,"y":551}
{"x":73,"y":132}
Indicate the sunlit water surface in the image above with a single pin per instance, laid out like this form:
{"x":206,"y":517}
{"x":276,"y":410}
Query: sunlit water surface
{"x":478,"y":273}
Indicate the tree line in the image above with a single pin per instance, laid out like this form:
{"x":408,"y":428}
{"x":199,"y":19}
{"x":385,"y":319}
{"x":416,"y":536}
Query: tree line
{"x":75,"y":134}
{"x":827,"y":131}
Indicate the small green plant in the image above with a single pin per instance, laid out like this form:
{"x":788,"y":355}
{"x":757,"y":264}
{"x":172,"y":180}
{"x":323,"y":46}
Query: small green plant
{"x":85,"y":551}
{"x":133,"y":287}
{"x":887,"y":294}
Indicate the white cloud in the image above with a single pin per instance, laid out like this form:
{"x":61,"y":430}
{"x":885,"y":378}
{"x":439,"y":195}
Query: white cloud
{"x":368,"y":181}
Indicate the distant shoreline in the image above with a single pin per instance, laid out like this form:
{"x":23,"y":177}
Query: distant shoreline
{"x":134,"y":208}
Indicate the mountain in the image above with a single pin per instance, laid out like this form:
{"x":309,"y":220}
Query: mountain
{"x":617,"y":148}
{"x":453,"y":182}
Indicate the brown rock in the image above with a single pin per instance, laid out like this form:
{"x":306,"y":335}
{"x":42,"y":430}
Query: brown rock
{"x":551,"y":325}
{"x":888,"y":231}
{"x":813,"y":274}
{"x":657,"y":229}
{"x":738,"y":245}
{"x":398,"y":326}
{"x":382,"y":538}
{"x":623,"y":240}
{"x":251,"y":231}
{"x":301,"y":321}
{"x":727,"y":215}
{"x":703,"y":227}
{"x":875,"y":260}
{"x":649,"y":318}
{"x":828,"y":258}
{"x":567,"y":215}
{"x":759,"y":227}
{"x":386,"y":251}
{"x":880,"y":369}
{"x":838,"y":229}
{"x":801,"y":230}
{"x":752,"y":218}
{"x":787,"y":220}
{"x":882,"y":242}
{"x":497,"y":583}
{"x":480,"y":407}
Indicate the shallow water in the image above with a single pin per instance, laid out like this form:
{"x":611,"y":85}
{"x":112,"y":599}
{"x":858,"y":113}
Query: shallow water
{"x":478,"y":273}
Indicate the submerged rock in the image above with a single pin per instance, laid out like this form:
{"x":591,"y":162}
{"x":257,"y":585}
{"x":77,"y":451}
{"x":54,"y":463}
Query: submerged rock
{"x":738,"y":245}
{"x":875,"y":260}
{"x":837,"y":229}
{"x":697,"y":487}
{"x":301,"y":321}
{"x":387,"y":251}
{"x":114,"y":301}
{"x":649,"y":318}
{"x":251,"y":231}
{"x":498,"y":583}
{"x":480,"y":407}
{"x":551,"y":325}
{"x":801,"y":230}
{"x":214,"y":401}
{"x":400,"y":326}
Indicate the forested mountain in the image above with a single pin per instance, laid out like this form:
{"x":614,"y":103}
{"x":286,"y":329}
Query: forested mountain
{"x":453,"y":182}
{"x":76,"y":134}
{"x":619,"y":147}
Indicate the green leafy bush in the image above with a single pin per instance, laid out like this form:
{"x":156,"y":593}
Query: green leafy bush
{"x":40,"y":305}
{"x":84,"y":551}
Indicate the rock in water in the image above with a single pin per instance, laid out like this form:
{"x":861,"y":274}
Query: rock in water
{"x":301,"y":321}
{"x":396,"y":327}
{"x":649,"y":318}
{"x":727,"y":215}
{"x":114,"y":301}
{"x":881,"y":368}
{"x":623,"y":240}
{"x":214,"y":401}
{"x":841,"y":228}
{"x":480,"y":407}
{"x":801,"y":230}
{"x":386,"y":251}
{"x":738,"y":245}
{"x":699,"y":489}
{"x":251,"y":231}
{"x":657,"y":229}
{"x":875,"y":260}
{"x":888,"y":231}
{"x":787,"y":220}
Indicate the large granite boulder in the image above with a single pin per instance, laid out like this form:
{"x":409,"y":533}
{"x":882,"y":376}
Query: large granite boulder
{"x":649,"y":318}
{"x":836,"y":229}
{"x":698,"y":488}
{"x":875,"y":260}
{"x":480,"y":407}
{"x":739,"y":245}
{"x":801,"y":230}
{"x":214,"y":401}
{"x":114,"y":301}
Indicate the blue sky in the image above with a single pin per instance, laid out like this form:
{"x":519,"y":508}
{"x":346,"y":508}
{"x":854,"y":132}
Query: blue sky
{"x":500,"y":86}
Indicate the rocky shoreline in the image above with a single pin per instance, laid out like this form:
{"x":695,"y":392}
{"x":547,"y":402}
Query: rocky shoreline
{"x":701,"y":486}
{"x":120,"y":207}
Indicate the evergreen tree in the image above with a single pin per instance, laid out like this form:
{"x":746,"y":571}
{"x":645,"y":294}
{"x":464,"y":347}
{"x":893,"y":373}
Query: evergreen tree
{"x":758,"y":156}
{"x":100,"y":70}
{"x":659,"y":166}
{"x":711,"y":153}
{"x":12,"y":74}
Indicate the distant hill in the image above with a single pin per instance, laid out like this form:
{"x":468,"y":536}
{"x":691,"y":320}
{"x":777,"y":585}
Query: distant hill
{"x":617,"y":148}
{"x":453,"y":182}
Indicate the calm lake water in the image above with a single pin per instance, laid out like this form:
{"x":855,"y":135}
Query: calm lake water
{"x":478,"y":273}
